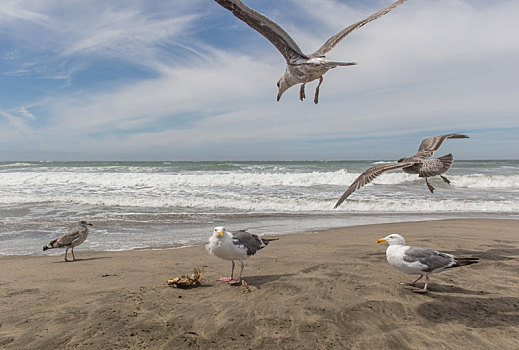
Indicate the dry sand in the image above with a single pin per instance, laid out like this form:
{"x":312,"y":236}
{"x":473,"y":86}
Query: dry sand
{"x":325,"y":290}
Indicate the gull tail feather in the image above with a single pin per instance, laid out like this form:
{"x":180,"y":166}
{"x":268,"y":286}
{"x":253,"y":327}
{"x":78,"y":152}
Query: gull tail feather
{"x":447,"y":161}
{"x":332,"y":64}
{"x":50,"y":245}
{"x":465,"y":261}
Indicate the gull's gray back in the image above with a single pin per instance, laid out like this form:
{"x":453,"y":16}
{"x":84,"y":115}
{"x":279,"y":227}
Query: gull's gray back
{"x":433,"y":259}
{"x":252,"y":242}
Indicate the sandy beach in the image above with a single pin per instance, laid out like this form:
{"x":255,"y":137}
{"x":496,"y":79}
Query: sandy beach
{"x":323,"y":290}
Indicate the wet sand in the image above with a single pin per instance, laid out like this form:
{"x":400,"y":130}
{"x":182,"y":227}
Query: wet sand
{"x":324,"y":290}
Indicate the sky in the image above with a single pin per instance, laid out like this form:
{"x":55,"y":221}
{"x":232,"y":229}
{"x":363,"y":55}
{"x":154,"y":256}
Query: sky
{"x":186,"y":80}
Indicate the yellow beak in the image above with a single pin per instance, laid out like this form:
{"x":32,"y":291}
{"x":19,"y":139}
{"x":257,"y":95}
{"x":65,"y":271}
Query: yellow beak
{"x":381,"y":240}
{"x":220,"y":233}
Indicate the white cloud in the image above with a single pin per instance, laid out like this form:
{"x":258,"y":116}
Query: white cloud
{"x":24,"y":112}
{"x":424,"y":67}
{"x":69,"y":36}
{"x":21,"y":10}
{"x":15,"y":130}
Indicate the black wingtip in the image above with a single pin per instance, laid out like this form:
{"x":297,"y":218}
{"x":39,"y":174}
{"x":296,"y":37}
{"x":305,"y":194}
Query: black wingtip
{"x":466,"y":261}
{"x":461,"y":136}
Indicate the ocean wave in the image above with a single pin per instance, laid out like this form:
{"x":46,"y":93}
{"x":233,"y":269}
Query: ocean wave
{"x":268,"y":204}
{"x":210,"y":179}
{"x":15,"y":165}
{"x":485,"y":181}
{"x":163,"y":181}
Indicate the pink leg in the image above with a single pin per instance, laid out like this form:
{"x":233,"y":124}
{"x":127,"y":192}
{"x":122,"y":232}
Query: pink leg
{"x":424,"y":290}
{"x":239,"y":278}
{"x":316,"y":97}
{"x":227,"y":279}
{"x":445,"y":180}
{"x":429,"y":186}
{"x":412,"y":283}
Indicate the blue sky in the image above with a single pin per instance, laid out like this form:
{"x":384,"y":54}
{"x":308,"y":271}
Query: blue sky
{"x":186,"y":80}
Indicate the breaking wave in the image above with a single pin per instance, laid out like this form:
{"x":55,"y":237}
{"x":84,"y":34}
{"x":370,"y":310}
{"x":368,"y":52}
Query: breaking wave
{"x":228,"y":179}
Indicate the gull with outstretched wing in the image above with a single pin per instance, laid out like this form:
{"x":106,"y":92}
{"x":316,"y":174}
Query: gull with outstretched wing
{"x":301,"y":68}
{"x":420,"y":164}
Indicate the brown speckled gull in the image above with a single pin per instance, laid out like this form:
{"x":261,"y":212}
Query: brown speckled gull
{"x":301,"y":68}
{"x":419,"y":164}
{"x":71,"y":238}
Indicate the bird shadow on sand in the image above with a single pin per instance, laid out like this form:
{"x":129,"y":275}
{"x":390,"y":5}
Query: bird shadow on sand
{"x":472,"y":311}
{"x":258,"y":281}
{"x":82,"y":259}
{"x":494,"y":254}
{"x":437,"y":288}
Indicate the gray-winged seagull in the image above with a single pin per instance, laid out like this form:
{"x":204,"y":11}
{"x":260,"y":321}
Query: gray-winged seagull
{"x":301,"y":68}
{"x":70,"y":239}
{"x":420,"y":164}
{"x":418,"y":260}
{"x":238,"y":245}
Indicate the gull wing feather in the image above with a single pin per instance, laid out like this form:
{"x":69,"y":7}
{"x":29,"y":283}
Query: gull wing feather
{"x":251,"y":241}
{"x":266,"y":27}
{"x":368,"y":176}
{"x":432,"y":259}
{"x":334,"y":40}
{"x":68,"y":237}
{"x":432,"y":144}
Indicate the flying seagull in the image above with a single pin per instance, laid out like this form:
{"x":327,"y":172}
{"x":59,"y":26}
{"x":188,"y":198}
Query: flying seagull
{"x":301,"y":68}
{"x":238,"y":245}
{"x":70,"y":239}
{"x":418,"y":260}
{"x":420,"y":164}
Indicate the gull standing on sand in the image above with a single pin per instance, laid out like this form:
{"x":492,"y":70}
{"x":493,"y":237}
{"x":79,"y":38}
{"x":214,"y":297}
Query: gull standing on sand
{"x":70,"y":239}
{"x":420,"y":164}
{"x":301,"y":68}
{"x":418,"y":260}
{"x":237,"y":245}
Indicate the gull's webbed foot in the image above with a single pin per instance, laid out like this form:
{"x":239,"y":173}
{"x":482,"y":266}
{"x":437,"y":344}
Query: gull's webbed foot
{"x":225,"y":279}
{"x":424,"y":289}
{"x":412,"y":284}
{"x":235,"y":282}
{"x":447,"y":181}
{"x":420,"y":290}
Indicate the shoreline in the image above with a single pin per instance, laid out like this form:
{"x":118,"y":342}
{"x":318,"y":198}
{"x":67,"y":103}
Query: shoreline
{"x":263,"y":226}
{"x":325,"y":289}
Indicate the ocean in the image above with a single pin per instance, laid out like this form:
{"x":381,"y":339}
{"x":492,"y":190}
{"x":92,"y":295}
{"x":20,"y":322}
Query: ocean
{"x":173,"y":204}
